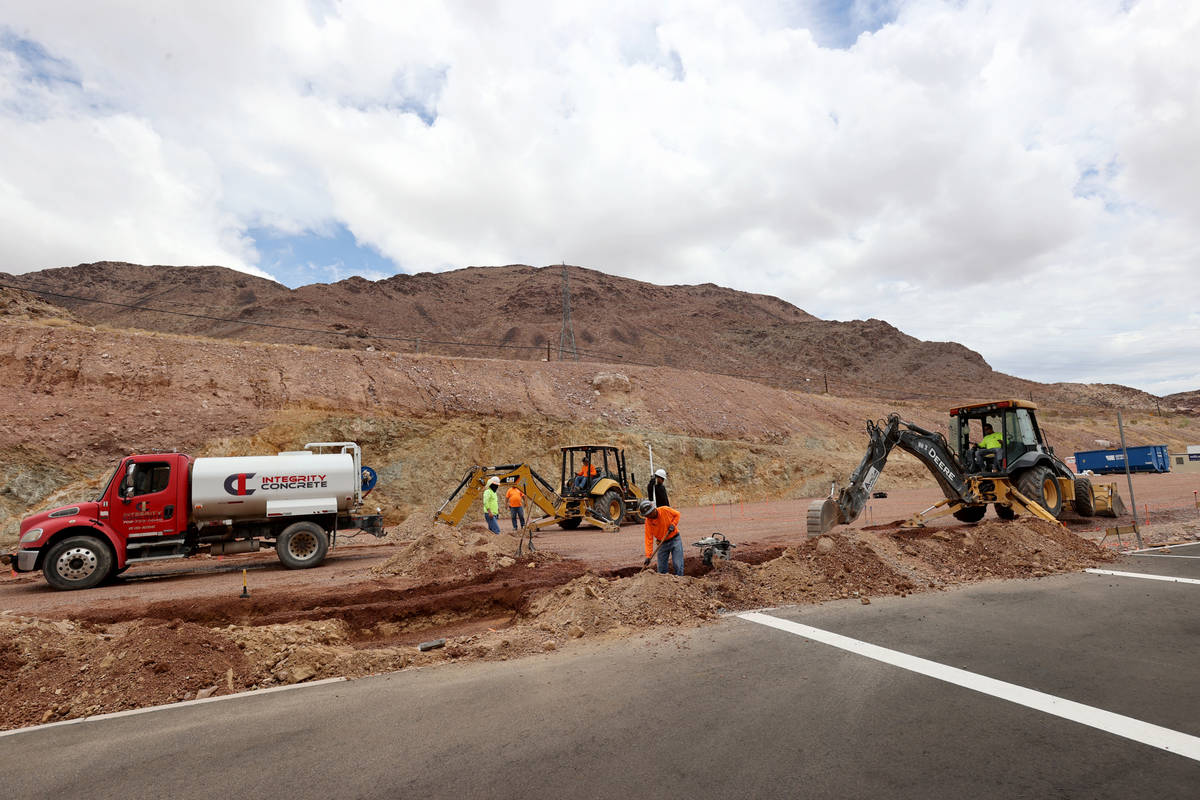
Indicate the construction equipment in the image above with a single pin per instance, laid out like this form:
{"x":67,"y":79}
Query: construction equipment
{"x":604,"y":495}
{"x":608,"y":489}
{"x":714,"y":546}
{"x":1023,"y":477}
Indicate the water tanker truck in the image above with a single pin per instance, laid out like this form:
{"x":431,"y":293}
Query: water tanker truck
{"x":169,"y":505}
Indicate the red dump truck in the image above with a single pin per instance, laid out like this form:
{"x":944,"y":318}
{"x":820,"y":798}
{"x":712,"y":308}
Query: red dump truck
{"x":169,"y":505}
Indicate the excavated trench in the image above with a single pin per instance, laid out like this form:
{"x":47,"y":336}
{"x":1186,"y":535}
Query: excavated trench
{"x":377,"y":613}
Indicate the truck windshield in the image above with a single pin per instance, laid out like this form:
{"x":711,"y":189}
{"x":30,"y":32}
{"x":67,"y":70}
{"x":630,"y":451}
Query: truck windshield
{"x":108,"y":483}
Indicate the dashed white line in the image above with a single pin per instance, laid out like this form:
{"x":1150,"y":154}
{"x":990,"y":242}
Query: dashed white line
{"x":1182,"y":744}
{"x":1169,"y":578}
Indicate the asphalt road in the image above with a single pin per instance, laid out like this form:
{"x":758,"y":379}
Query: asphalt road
{"x":735,"y":709}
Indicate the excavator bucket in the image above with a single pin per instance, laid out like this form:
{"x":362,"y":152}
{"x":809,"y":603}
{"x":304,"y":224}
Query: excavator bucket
{"x":822,"y":516}
{"x":1108,"y":503}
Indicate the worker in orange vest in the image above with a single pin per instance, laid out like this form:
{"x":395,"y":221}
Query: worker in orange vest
{"x":516,"y":506}
{"x":662,"y":525}
{"x":585,"y":474}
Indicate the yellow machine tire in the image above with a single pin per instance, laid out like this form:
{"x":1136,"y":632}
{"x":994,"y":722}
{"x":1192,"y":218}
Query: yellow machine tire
{"x":610,"y":505}
{"x":1040,"y":486}
{"x":1085,"y":498}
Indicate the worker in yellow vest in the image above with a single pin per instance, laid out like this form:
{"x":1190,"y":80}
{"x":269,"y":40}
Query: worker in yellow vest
{"x":992,"y":444}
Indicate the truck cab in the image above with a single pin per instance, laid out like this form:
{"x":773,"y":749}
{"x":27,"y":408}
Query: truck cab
{"x":148,"y":496}
{"x":144,"y":500}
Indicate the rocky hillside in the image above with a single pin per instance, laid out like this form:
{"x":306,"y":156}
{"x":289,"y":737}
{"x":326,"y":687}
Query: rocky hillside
{"x":515,"y":312}
{"x":1183,"y":402}
{"x":78,"y":397}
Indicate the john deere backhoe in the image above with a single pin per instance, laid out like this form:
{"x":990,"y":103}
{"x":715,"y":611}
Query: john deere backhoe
{"x":596,"y":491}
{"x":1022,"y":476}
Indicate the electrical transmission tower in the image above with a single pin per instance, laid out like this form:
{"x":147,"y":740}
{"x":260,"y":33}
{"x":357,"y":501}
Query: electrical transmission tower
{"x":566,"y":337}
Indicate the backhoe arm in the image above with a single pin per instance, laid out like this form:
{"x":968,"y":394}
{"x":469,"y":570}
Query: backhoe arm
{"x":536,"y":489}
{"x":928,"y":447}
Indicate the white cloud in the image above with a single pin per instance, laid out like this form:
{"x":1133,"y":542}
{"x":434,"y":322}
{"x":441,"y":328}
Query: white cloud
{"x":1016,"y":176}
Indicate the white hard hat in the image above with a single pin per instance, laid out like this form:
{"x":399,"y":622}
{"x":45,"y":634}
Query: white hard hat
{"x":660,"y":473}
{"x":493,"y":481}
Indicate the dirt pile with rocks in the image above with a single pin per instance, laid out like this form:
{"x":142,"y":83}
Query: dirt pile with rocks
{"x":436,"y":552}
{"x":64,"y":669}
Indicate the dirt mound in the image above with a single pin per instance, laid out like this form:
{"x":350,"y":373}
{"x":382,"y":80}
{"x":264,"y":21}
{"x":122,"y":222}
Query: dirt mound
{"x":59,"y":670}
{"x":810,"y":572}
{"x":994,"y":549}
{"x":436,"y":552}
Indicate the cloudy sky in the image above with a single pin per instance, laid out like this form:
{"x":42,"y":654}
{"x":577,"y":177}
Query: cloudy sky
{"x":1017,"y":175}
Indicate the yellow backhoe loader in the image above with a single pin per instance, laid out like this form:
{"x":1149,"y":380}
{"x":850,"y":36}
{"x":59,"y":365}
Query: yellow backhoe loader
{"x":1019,"y":476}
{"x":594,"y":488}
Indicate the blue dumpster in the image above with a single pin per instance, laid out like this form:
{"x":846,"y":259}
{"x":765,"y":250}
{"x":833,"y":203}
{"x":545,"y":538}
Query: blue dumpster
{"x":1147,"y":458}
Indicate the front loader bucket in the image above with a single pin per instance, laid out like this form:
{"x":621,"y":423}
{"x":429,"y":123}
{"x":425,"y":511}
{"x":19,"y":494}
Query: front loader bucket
{"x":1108,"y":501}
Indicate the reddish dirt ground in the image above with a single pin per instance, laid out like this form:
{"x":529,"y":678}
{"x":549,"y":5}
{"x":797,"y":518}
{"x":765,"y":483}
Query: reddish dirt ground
{"x":175,"y":630}
{"x":758,"y":529}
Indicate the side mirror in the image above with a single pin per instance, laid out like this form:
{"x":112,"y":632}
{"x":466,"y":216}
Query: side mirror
{"x":126,"y":490}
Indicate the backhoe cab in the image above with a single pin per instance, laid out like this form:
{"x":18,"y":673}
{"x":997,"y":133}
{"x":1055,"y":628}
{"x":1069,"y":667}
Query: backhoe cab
{"x":594,"y":480}
{"x":1022,"y":475}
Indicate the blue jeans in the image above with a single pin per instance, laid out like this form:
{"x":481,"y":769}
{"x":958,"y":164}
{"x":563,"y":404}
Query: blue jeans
{"x":493,"y":525}
{"x":978,"y":463}
{"x":517,"y":512}
{"x":671,"y":548}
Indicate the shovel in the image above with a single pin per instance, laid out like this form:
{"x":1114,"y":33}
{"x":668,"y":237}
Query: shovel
{"x":653,"y":553}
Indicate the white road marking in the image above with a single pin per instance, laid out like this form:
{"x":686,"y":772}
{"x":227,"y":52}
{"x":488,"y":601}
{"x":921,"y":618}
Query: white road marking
{"x":131,"y":712}
{"x":1158,"y":555}
{"x":1141,"y":575}
{"x":1127,"y":727}
{"x":1162,"y":547}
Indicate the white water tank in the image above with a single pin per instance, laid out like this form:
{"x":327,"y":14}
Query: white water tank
{"x":299,"y":482}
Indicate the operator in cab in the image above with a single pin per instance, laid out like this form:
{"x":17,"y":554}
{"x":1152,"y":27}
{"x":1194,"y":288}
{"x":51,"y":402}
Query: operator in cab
{"x":585,"y":474}
{"x":992,"y":444}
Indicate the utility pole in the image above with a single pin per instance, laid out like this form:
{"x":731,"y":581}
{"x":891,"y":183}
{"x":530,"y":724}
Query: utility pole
{"x":1132,"y":500}
{"x":566,"y":337}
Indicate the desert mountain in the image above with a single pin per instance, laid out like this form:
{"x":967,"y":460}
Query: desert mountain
{"x":515,"y":312}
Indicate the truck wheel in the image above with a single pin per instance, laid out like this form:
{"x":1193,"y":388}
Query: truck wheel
{"x":302,"y":545}
{"x":1004,"y":512}
{"x":970,"y":513}
{"x":1085,"y":498}
{"x":78,"y":562}
{"x":611,"y":506}
{"x":1040,"y":486}
{"x":570,"y":523}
